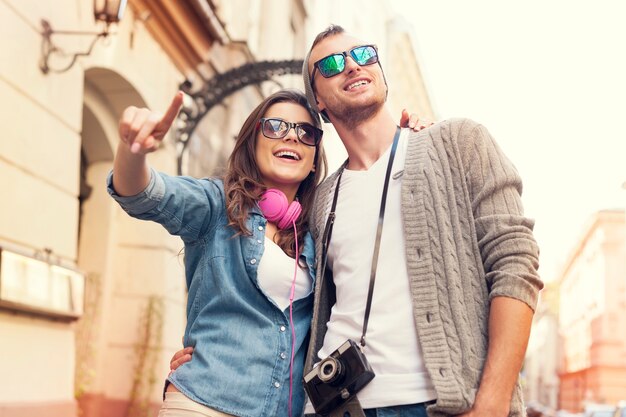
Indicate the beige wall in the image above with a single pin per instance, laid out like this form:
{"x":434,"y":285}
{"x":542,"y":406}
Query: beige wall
{"x":45,"y":127}
{"x":27,"y":344}
{"x":39,"y":179}
{"x":407,"y":87}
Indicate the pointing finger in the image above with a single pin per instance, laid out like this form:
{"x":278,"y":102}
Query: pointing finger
{"x":170,"y":115}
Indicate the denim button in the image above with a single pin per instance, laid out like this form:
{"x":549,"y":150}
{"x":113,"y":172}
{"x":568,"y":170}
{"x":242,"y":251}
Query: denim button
{"x":277,"y":384}
{"x":260,"y":227}
{"x":253,"y":261}
{"x":283,"y":355}
{"x":259,"y":241}
{"x":283,"y":328}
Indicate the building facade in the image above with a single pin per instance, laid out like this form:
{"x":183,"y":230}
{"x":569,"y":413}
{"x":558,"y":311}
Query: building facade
{"x":102,"y":347}
{"x":592,"y":316}
{"x":540,"y":372}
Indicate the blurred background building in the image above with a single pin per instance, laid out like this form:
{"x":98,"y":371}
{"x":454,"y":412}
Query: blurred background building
{"x":540,"y":374}
{"x":92,"y":303}
{"x":592,"y":315}
{"x":576,"y":357}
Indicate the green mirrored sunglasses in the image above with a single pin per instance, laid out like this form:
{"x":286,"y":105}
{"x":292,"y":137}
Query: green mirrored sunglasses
{"x":334,"y":64}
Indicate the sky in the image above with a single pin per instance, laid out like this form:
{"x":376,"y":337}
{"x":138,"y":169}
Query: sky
{"x":548,"y":80}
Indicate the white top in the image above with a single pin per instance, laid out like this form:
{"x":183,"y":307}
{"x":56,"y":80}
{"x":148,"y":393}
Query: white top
{"x":392,"y":346}
{"x":275,"y":275}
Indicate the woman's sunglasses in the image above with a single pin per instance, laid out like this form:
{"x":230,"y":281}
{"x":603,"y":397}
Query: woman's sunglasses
{"x":335,"y":64}
{"x":276,"y":128}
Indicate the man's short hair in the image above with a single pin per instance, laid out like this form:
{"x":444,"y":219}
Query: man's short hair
{"x":306,"y":77}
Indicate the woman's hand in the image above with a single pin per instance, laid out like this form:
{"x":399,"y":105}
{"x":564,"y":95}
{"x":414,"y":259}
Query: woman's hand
{"x":143,"y":130}
{"x":180,"y":357}
{"x":413,"y":121}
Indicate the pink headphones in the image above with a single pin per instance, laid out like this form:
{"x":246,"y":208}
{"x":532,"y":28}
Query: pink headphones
{"x":277,"y":210}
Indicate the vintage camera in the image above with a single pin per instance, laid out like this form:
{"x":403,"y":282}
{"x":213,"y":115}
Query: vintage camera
{"x":338,"y":378}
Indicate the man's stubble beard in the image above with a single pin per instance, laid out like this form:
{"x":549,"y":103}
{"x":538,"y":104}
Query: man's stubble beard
{"x":352,"y":115}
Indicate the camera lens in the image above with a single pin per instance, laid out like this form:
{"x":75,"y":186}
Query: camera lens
{"x":329,"y":370}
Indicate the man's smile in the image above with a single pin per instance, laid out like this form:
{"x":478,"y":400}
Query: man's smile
{"x":356,"y":84}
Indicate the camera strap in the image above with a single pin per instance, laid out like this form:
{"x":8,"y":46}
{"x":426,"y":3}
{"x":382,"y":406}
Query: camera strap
{"x":331,"y":220}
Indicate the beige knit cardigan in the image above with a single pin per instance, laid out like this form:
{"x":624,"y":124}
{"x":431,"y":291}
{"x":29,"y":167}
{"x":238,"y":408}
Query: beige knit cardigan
{"x":467,"y":241}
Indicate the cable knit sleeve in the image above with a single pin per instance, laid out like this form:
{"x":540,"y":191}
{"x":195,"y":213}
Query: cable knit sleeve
{"x":508,"y":249}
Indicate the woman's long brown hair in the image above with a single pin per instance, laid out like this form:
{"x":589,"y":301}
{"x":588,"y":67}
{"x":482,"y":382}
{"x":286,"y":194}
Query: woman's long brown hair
{"x":242,"y":182}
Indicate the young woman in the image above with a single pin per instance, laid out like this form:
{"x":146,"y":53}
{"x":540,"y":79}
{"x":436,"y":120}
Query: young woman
{"x":248,"y":255}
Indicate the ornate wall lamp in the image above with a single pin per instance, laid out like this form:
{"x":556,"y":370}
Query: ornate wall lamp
{"x":107,"y":11}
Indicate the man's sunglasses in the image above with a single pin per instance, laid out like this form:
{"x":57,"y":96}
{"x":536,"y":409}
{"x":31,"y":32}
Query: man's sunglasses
{"x":276,"y":128}
{"x":334,"y":64}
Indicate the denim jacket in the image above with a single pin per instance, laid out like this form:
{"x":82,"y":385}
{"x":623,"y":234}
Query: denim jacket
{"x":241,"y":339}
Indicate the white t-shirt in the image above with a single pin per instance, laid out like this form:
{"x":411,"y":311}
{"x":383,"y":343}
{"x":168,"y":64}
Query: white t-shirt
{"x":392,"y":346}
{"x":275,"y":275}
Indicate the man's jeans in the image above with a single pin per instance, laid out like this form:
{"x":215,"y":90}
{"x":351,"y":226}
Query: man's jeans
{"x":411,"y":410}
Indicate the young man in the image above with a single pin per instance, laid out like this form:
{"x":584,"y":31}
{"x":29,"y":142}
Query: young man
{"x":456,"y":279}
